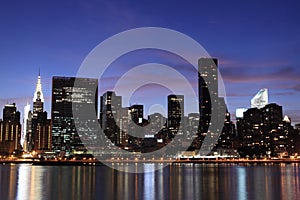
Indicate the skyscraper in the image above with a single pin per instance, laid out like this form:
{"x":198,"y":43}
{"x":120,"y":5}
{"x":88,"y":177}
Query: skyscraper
{"x":38,"y":127}
{"x":25,"y":127}
{"x":264,"y":131}
{"x":38,"y":98}
{"x":260,"y":99}
{"x":10,"y":130}
{"x":212,"y":108}
{"x":67,"y":96}
{"x":175,"y":113}
{"x":137,"y":113}
{"x":110,"y":105}
{"x":207,"y":77}
{"x":137,"y":123}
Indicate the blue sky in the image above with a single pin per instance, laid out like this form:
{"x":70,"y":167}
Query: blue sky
{"x":257,"y":44}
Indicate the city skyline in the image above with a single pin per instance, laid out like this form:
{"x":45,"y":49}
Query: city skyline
{"x":164,"y":113}
{"x":151,"y":99}
{"x":74,"y":120}
{"x":255,"y":49}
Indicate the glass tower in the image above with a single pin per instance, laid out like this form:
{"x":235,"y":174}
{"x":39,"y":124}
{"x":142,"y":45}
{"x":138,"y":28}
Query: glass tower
{"x":66,"y":96}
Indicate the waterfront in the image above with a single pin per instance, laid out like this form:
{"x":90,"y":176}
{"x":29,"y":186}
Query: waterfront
{"x":177,"y":181}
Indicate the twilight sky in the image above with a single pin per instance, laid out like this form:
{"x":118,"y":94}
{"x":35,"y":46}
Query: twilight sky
{"x":257,"y":44}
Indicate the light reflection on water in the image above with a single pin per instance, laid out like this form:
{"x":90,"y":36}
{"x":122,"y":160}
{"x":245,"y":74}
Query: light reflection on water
{"x":242,"y":194}
{"x":182,"y":181}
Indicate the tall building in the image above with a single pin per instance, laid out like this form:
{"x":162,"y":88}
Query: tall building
{"x":175,"y":113}
{"x":25,"y":127}
{"x":137,"y":124}
{"x":10,"y":130}
{"x":137,"y":113}
{"x":264,"y":132}
{"x":41,"y":132}
{"x":227,"y":135}
{"x":193,"y":124}
{"x":38,"y":135}
{"x":109,"y":106}
{"x":261,"y":99}
{"x":38,"y":98}
{"x":210,"y":127}
{"x":278,"y":130}
{"x":68,"y":95}
{"x":207,"y":76}
{"x":122,"y":122}
{"x":297,"y":138}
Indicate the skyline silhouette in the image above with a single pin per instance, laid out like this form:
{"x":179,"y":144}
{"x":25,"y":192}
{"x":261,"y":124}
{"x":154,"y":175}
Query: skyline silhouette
{"x":256,"y":49}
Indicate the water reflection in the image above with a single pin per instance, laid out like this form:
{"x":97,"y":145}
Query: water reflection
{"x":182,"y":181}
{"x":242,"y":194}
{"x":24,"y":174}
{"x":149,"y":178}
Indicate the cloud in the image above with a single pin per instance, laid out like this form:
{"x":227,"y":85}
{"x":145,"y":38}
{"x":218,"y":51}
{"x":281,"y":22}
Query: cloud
{"x":239,"y":95}
{"x":296,"y":87}
{"x":282,"y":93}
{"x":254,"y":74}
{"x":230,"y":63}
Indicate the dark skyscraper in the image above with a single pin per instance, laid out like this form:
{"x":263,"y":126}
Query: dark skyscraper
{"x":265,"y":132}
{"x":110,"y":105}
{"x":137,"y":113}
{"x":137,"y":123}
{"x":207,"y":68}
{"x":10,"y":129}
{"x":212,"y":108}
{"x":175,"y":113}
{"x":228,"y":133}
{"x":65,"y":137}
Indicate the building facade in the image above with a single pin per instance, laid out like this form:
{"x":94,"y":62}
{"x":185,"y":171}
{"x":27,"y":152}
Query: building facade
{"x":38,"y":134}
{"x":207,"y":89}
{"x":175,"y":113}
{"x":265,"y":132}
{"x":10,"y":130}
{"x":81,"y":95}
{"x":110,"y":105}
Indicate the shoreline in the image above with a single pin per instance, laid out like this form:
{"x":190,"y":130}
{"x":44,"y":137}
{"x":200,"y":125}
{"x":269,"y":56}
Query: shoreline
{"x":101,"y":162}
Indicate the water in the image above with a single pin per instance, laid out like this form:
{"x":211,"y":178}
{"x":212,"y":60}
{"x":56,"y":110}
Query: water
{"x":184,"y":181}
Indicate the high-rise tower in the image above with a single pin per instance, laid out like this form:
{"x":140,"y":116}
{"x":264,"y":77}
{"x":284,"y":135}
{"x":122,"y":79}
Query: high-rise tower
{"x":175,"y":113}
{"x":110,"y":105}
{"x":38,"y":134}
{"x":207,"y":77}
{"x":38,"y":98}
{"x":69,"y":94}
{"x":10,"y":129}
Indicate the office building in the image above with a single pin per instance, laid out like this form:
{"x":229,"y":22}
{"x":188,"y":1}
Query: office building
{"x":25,"y":127}
{"x":264,"y":132}
{"x":81,"y":95}
{"x":175,"y":113}
{"x":109,"y":106}
{"x":10,"y":130}
{"x":207,"y":89}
